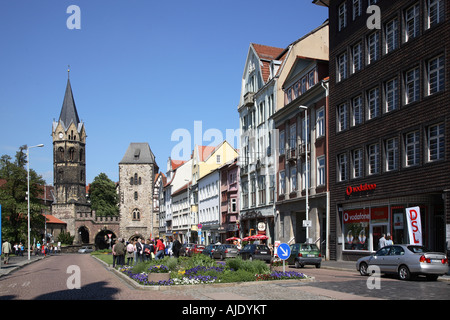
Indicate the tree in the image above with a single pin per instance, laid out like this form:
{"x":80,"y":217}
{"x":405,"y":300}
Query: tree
{"x":13,"y":198}
{"x":103,"y":195}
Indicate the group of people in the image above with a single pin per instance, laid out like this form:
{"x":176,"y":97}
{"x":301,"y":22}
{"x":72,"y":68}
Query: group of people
{"x":137,"y":250}
{"x":385,"y":241}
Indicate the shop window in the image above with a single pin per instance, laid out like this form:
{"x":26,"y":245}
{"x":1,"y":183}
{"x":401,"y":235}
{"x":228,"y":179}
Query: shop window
{"x":356,"y":229}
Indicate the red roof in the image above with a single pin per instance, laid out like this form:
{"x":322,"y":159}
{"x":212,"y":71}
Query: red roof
{"x":52,"y":219}
{"x":204,"y":152}
{"x":267,"y":54}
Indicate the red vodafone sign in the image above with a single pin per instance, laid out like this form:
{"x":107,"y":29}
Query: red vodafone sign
{"x":414,"y":225}
{"x":362,"y":187}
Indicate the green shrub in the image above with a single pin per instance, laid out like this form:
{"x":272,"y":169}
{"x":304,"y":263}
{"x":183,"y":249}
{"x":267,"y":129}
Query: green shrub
{"x":255,"y":266}
{"x":240,"y":275}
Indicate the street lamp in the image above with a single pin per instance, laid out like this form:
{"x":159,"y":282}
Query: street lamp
{"x":307,"y":169}
{"x":28,"y":191}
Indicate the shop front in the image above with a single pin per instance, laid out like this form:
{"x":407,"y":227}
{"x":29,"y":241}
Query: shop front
{"x":364,"y":223}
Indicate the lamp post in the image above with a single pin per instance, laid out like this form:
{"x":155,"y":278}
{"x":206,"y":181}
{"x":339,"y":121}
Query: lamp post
{"x":28,"y":192}
{"x":306,"y":169}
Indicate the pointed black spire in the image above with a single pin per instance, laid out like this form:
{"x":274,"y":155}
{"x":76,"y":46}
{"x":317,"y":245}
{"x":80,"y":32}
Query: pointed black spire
{"x":69,"y":111}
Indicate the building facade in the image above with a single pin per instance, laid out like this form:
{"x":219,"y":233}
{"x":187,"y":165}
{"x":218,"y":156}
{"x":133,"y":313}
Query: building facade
{"x":257,"y":160}
{"x":137,"y":171}
{"x":389,"y":123}
{"x":301,"y":122}
{"x":229,"y":200}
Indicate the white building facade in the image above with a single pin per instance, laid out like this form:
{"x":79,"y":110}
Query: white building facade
{"x":209,"y":207}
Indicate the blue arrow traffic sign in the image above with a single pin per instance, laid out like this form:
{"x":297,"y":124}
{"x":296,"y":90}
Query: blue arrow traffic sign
{"x":284,"y":251}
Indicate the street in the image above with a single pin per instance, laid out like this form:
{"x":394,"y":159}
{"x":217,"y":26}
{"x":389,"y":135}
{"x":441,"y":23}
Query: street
{"x":54,"y":278}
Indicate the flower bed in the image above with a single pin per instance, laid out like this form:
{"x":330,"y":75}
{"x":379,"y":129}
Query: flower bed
{"x":204,"y":271}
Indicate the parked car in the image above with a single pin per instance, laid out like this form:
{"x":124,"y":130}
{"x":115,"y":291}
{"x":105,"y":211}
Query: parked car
{"x":226,"y":251}
{"x":209,"y":250}
{"x":196,"y":248}
{"x":255,"y":251}
{"x":184,"y":251}
{"x":86,"y":249}
{"x":407,"y":261}
{"x":304,"y":254}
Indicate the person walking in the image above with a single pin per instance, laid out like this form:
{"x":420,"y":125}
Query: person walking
{"x":6,"y":250}
{"x":176,"y":246}
{"x":389,"y":241}
{"x":119,"y":248}
{"x":382,"y":241}
{"x":159,"y":249}
{"x":139,"y":251}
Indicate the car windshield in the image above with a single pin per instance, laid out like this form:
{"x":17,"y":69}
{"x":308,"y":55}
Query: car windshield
{"x":418,"y":249}
{"x":309,"y":247}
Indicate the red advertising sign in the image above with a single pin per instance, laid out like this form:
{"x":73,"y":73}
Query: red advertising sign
{"x":414,"y":225}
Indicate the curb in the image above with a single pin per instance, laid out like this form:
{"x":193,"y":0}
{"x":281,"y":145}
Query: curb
{"x":18,"y":266}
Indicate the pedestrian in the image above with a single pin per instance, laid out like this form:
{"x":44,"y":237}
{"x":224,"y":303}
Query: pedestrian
{"x":159,"y":251}
{"x":114,"y":254}
{"x":22,"y":249}
{"x":176,"y":246}
{"x":382,"y":241}
{"x":389,"y":241}
{"x":146,"y":251}
{"x":38,"y":248}
{"x":120,"y":251}
{"x":6,"y":250}
{"x":139,"y":251}
{"x":131,"y":248}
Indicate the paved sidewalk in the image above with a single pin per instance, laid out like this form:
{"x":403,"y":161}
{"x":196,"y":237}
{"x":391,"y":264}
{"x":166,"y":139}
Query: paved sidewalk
{"x":17,"y":262}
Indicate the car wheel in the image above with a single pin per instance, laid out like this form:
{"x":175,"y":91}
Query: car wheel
{"x":318,"y":265}
{"x":298,"y":264}
{"x":363,"y":269}
{"x":403,"y":273}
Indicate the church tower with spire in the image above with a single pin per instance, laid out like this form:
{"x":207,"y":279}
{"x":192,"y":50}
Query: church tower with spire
{"x":69,"y":164}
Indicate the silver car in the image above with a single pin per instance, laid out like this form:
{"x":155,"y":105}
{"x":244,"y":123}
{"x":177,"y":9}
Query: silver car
{"x":225,"y":251}
{"x":407,"y":261}
{"x":86,"y":249}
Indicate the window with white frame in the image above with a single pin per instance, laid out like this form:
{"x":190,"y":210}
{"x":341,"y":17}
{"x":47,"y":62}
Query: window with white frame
{"x":391,"y":93}
{"x":391,"y":32}
{"x":412,"y":85}
{"x":436,"y":143}
{"x":271,"y":188}
{"x":292,"y":136}
{"x":282,"y":183}
{"x":342,"y":67}
{"x":306,"y":175}
{"x":373,"y":154}
{"x":357,"y":165}
{"x":303,"y":86}
{"x":233,"y":206}
{"x":293,"y":179}
{"x":373,"y":44}
{"x":311,"y":78}
{"x":262,"y":189}
{"x":342,"y":16}
{"x":412,"y":22}
{"x":320,"y":171}
{"x":342,"y":117}
{"x":281,"y":142}
{"x":412,"y":145}
{"x":356,"y":57}
{"x":436,"y":75}
{"x":320,"y":122}
{"x":357,"y":111}
{"x":356,"y":9}
{"x":342,"y":167}
{"x":435,"y":12}
{"x":373,"y":99}
{"x":391,"y":154}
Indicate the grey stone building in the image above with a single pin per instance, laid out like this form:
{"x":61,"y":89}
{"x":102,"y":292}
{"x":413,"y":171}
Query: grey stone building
{"x":137,"y":172}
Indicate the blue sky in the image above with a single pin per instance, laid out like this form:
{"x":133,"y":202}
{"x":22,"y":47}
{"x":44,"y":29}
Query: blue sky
{"x":140,"y":69}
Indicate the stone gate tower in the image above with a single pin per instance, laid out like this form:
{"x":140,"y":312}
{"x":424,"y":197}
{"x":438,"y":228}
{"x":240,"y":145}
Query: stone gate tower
{"x":69,"y":164}
{"x":136,"y":182}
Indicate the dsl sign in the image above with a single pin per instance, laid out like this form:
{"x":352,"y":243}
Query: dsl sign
{"x":414,"y":225}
